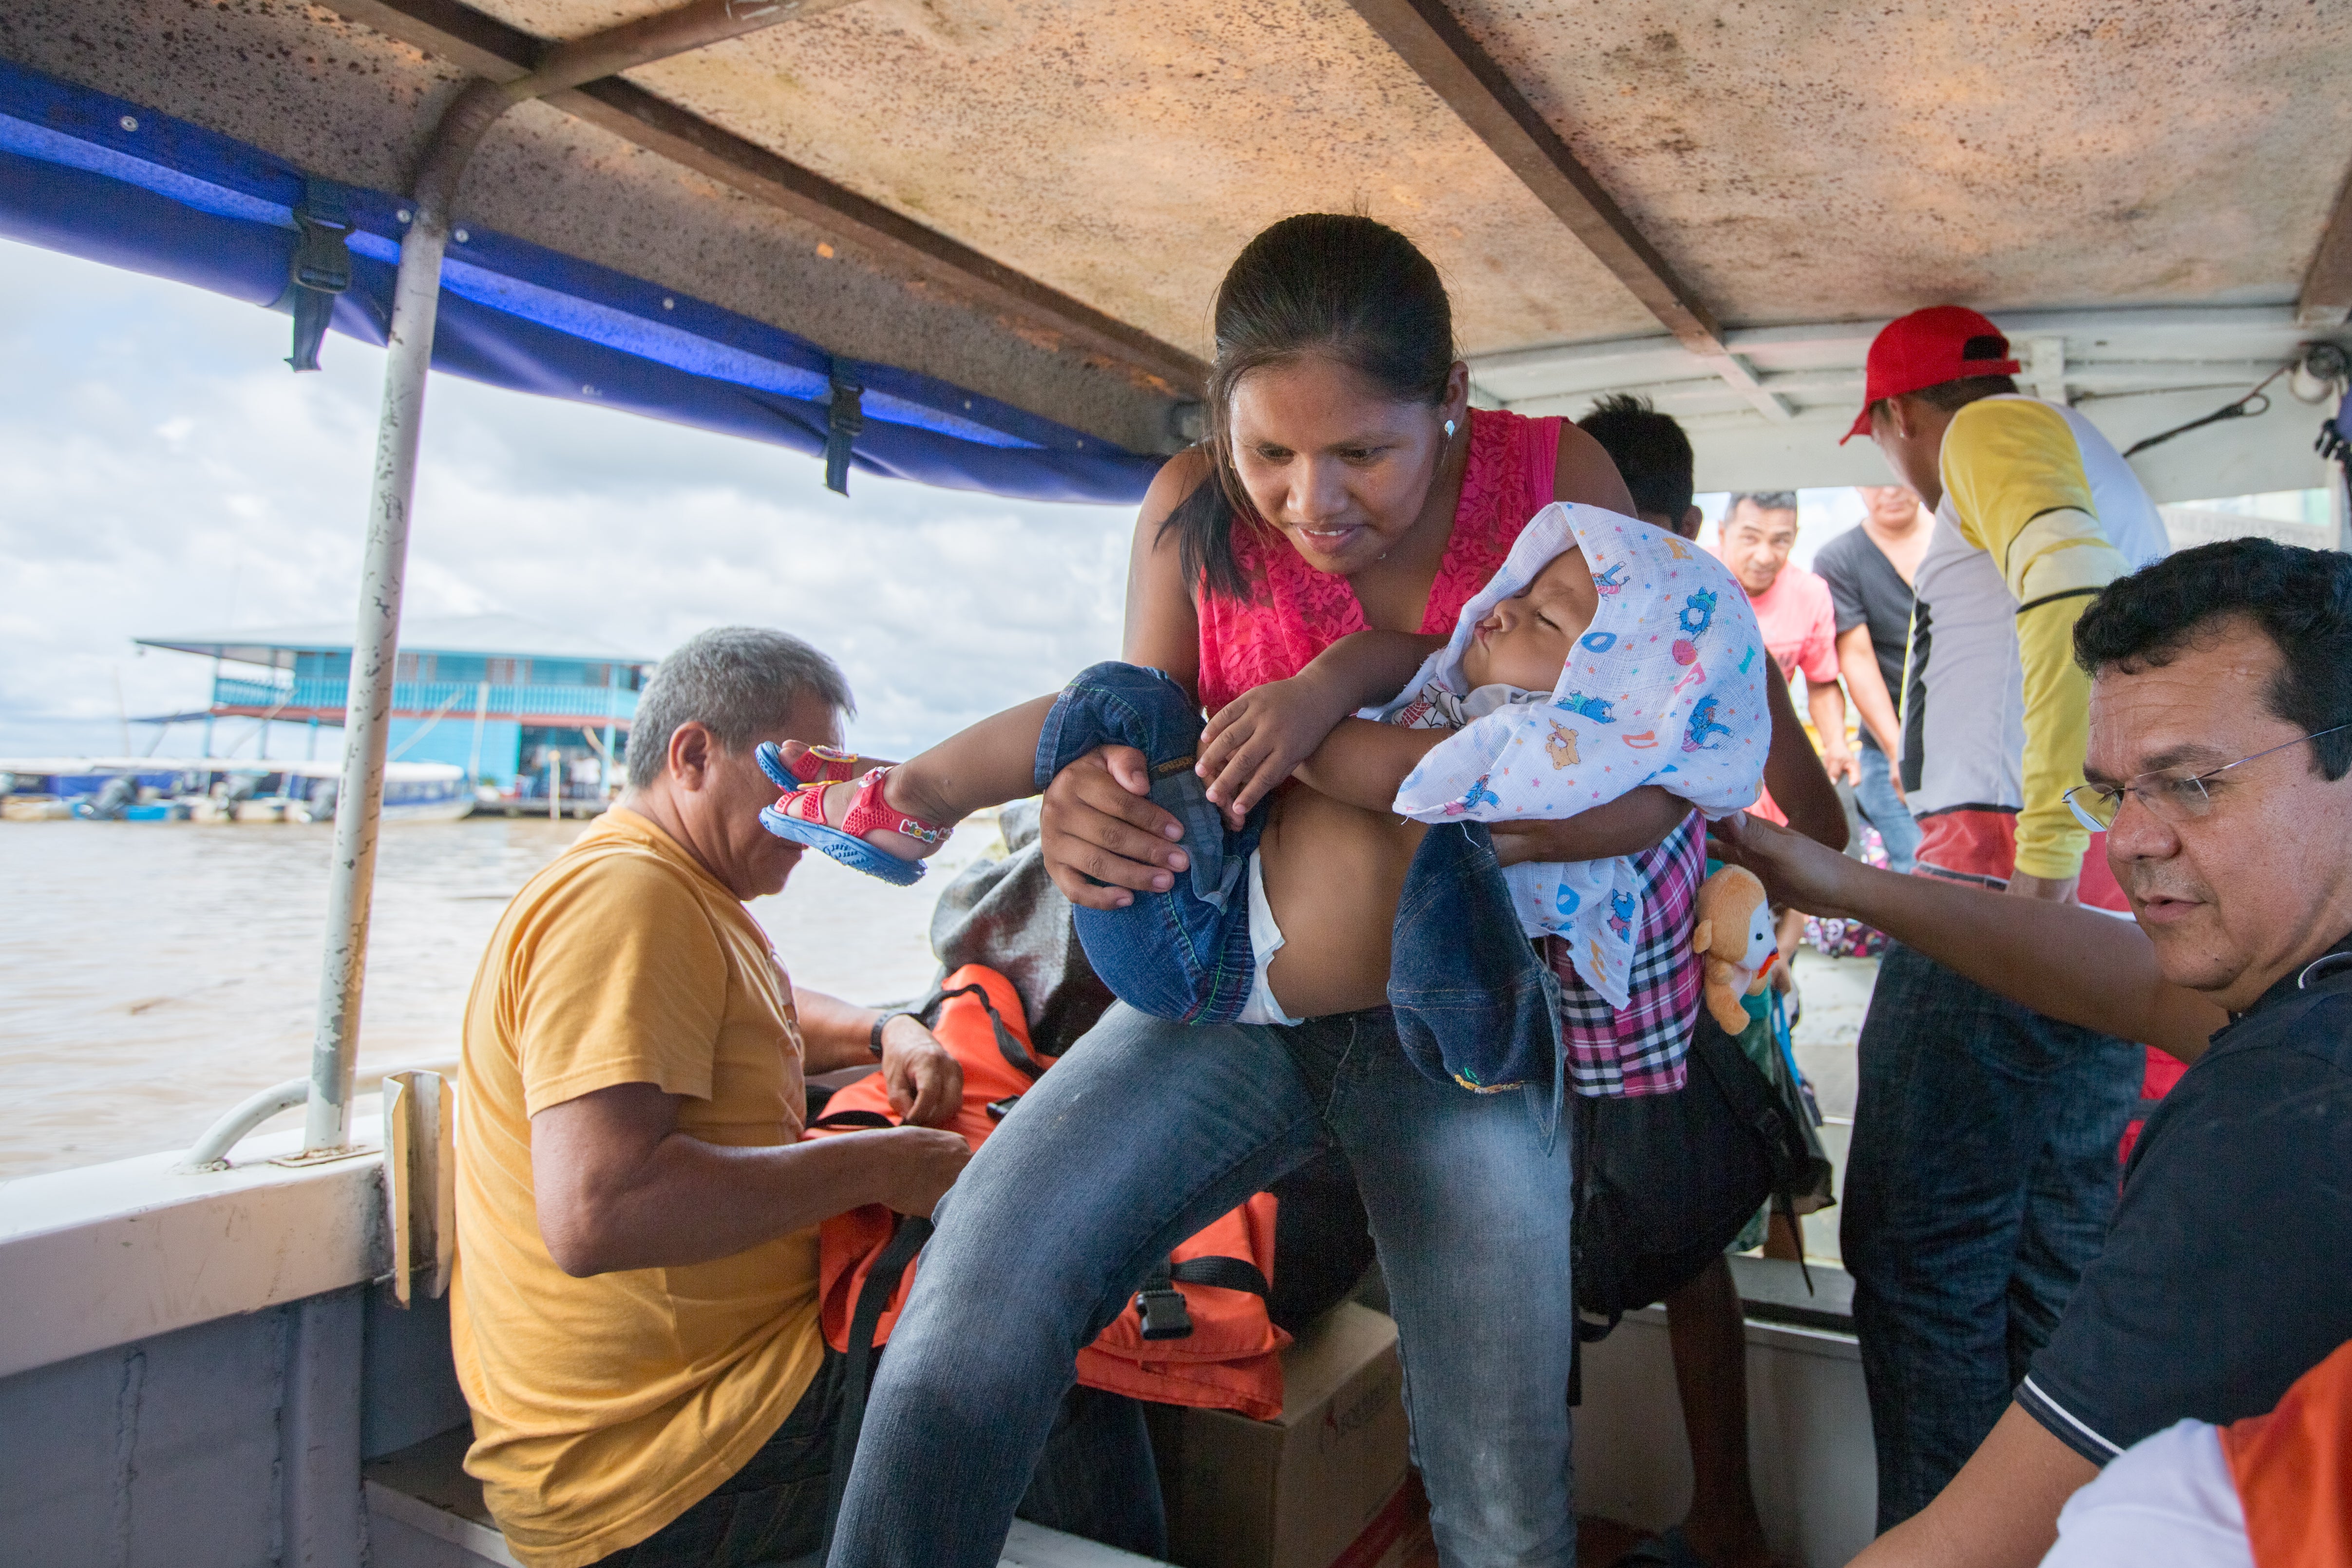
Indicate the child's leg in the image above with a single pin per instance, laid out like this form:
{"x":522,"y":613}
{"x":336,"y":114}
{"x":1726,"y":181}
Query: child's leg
{"x":1017,"y":752}
{"x":988,"y":764}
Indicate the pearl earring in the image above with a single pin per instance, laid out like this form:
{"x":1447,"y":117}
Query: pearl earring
{"x":1449,"y":430}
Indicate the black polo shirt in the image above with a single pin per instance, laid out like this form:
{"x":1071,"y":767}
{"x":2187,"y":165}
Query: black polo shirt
{"x":1867,"y":591}
{"x":2228,"y":1270}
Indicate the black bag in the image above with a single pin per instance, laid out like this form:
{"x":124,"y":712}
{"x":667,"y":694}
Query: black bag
{"x":1665,"y":1182}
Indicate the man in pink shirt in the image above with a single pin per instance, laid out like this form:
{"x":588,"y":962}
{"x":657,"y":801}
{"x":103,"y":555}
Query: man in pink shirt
{"x":1793,"y":608}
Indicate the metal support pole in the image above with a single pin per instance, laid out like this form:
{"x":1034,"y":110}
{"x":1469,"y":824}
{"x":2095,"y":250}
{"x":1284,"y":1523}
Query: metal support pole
{"x":375,"y":642}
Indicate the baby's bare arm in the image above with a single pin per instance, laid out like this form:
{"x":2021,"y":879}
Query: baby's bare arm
{"x":1363,"y":763}
{"x":1256,"y":741}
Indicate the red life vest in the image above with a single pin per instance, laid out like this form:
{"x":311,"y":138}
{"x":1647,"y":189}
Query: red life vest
{"x":1229,"y":1357}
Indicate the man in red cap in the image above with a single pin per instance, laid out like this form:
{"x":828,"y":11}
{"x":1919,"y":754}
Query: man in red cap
{"x":1983,"y":1167}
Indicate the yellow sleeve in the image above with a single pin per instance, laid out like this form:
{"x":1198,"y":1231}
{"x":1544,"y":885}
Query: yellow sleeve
{"x":619,"y":980}
{"x":2016,"y":480}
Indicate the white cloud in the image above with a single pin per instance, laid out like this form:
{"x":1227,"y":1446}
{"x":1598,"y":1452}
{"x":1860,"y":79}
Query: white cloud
{"x":164,"y":471}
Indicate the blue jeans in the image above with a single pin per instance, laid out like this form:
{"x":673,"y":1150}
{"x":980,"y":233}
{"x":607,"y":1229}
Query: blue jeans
{"x":1882,"y":807}
{"x":1980,"y":1180}
{"x":1145,"y":1131}
{"x":1183,"y":954}
{"x":1476,"y":1004}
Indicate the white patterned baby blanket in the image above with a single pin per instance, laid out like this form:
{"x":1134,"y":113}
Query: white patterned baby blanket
{"x":1665,"y":687}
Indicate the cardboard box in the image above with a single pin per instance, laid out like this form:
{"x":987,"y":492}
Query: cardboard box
{"x":1300,"y":1490}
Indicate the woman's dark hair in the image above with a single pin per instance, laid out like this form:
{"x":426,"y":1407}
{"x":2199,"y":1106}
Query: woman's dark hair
{"x":1346,"y":288}
{"x":2302,"y":600}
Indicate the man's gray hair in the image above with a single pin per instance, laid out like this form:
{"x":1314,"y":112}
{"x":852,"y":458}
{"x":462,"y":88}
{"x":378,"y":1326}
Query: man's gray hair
{"x":738,"y":682}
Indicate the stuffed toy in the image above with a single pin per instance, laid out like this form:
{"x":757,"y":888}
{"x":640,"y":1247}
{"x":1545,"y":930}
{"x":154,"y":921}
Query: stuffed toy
{"x":1735,"y":940}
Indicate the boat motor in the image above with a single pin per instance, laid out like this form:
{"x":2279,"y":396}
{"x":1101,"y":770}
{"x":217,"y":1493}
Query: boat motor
{"x":112,"y":799}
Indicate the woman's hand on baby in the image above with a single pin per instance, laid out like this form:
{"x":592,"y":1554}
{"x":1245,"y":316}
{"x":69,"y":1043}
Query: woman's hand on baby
{"x":1256,"y":740}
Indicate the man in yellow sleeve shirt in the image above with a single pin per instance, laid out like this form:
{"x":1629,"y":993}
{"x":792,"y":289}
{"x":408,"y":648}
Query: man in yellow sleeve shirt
{"x":1983,"y":1169}
{"x":634,"y":1307}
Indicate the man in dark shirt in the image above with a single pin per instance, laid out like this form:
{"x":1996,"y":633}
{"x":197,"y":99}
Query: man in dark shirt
{"x":2221,"y":765}
{"x":1868,"y":569}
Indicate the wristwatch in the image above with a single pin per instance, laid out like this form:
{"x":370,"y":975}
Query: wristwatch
{"x":874,"y":1035}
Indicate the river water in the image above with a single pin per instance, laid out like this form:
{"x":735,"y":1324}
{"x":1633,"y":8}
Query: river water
{"x":154,"y":974}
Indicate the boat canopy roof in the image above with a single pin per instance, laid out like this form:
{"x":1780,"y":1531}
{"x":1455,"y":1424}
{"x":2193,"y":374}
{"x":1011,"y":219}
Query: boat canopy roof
{"x":1004,"y":220}
{"x":498,"y":636}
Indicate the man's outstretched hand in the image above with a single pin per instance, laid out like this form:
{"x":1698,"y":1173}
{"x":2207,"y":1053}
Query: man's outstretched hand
{"x":1796,"y":872}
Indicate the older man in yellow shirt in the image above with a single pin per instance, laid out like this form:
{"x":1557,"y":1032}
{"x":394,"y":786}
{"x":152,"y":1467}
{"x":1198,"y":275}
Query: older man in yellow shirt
{"x":635,"y":1306}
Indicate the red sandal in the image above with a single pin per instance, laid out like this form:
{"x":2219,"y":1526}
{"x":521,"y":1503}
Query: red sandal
{"x":799,"y":815}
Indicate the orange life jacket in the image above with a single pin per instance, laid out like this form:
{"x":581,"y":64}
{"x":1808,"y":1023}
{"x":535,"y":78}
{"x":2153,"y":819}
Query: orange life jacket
{"x":1212,"y":1343}
{"x":2294,"y":1470}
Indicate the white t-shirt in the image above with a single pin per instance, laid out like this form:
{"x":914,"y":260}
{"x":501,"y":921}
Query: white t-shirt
{"x":2168,"y":1500}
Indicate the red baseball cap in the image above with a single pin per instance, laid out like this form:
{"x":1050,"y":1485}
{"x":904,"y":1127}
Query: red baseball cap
{"x":1927,"y":348}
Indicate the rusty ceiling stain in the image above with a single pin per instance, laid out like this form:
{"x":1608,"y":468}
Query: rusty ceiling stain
{"x":1817,"y":160}
{"x":1125,"y":154}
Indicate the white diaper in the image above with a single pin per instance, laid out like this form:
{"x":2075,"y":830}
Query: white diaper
{"x":1266,"y":941}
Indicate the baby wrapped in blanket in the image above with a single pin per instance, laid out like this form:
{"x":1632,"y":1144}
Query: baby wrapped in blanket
{"x":1665,"y":686}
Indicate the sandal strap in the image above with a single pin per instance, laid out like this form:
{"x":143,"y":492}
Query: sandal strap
{"x":867,"y":810}
{"x":867,"y":813}
{"x":825,"y":765}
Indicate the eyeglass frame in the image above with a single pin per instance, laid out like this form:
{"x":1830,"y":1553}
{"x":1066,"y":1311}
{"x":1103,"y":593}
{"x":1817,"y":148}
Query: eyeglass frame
{"x":2130,"y":788}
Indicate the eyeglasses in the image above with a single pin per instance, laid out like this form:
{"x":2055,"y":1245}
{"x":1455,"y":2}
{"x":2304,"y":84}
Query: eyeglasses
{"x":2169,"y":795}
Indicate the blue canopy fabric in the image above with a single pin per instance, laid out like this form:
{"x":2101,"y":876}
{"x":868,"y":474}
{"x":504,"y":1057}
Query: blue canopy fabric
{"x":113,"y":182}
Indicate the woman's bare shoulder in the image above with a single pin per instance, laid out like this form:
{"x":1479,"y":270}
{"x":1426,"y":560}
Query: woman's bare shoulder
{"x":1178,"y":478}
{"x":1163,"y":628}
{"x":1585,"y":473}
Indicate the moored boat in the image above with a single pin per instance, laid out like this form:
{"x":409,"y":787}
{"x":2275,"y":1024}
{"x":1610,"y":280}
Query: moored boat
{"x":215,"y":790}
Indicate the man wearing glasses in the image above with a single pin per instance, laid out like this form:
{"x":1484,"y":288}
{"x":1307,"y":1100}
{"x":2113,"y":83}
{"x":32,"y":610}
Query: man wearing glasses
{"x":2220,"y":769}
{"x":1982,"y":1171}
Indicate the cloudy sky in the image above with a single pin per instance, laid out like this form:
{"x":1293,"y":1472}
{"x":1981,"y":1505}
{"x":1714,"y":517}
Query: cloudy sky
{"x":165,"y":472}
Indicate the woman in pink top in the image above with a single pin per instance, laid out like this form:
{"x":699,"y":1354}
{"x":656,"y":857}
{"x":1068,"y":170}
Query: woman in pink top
{"x":1346,"y":485}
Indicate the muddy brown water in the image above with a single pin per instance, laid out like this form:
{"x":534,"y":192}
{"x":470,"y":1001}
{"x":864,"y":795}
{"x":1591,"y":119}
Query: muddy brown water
{"x":152,"y":975}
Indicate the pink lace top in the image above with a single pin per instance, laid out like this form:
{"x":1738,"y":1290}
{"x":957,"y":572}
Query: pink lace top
{"x":1299,"y":612}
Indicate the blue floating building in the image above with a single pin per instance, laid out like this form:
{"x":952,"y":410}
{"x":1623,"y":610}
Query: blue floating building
{"x":498,"y":695}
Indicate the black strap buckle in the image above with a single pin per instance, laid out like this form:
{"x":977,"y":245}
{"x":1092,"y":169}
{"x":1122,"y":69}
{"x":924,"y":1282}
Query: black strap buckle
{"x":844,"y":422}
{"x":1160,"y":1305}
{"x":321,"y":268}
